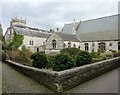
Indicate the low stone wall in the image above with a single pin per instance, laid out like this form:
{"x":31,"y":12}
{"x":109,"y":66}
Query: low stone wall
{"x":64,"y":80}
{"x":44,"y":77}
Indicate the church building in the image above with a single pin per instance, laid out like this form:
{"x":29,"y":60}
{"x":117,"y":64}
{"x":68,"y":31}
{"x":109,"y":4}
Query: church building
{"x":97,"y":34}
{"x":90,"y":35}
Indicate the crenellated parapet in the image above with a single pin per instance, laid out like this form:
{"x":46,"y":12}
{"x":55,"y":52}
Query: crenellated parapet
{"x":17,"y":22}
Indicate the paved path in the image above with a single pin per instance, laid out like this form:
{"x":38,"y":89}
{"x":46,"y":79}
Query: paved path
{"x":15,"y":82}
{"x":106,"y":83}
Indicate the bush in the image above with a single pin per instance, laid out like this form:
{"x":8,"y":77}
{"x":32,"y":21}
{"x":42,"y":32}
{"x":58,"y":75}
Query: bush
{"x":14,"y":55}
{"x":22,"y":57}
{"x":62,"y":62}
{"x":39,"y":60}
{"x":71,"y":51}
{"x":108,"y":55}
{"x":94,"y":54}
{"x":50,"y":61}
{"x":83,"y":58}
{"x":113,"y":51}
{"x":96,"y":60}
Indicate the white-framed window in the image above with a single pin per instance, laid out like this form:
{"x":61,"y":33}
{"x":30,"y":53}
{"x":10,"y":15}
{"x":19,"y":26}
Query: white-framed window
{"x":102,"y":46}
{"x":69,"y":44}
{"x":31,"y":42}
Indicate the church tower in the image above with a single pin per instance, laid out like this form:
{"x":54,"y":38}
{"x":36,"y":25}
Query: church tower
{"x":17,"y":22}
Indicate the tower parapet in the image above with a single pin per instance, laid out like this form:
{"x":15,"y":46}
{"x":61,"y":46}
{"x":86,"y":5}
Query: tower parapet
{"x":17,"y":22}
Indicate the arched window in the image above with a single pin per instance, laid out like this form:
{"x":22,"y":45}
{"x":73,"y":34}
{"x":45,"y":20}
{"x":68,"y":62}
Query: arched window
{"x":54,"y":44}
{"x":69,"y":45}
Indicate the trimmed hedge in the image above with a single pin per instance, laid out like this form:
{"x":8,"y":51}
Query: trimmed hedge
{"x":62,"y":62}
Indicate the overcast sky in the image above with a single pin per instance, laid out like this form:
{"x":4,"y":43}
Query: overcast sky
{"x":51,"y":15}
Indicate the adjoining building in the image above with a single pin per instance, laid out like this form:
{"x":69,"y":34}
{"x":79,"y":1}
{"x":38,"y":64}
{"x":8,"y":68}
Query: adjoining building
{"x":96,"y":34}
{"x":57,"y":41}
{"x":34,"y":38}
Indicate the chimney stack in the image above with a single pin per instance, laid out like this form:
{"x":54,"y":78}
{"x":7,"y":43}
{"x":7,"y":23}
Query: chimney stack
{"x":74,"y":30}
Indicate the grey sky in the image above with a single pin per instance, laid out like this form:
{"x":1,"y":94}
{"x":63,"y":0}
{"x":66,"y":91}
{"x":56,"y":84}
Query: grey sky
{"x":50,"y":15}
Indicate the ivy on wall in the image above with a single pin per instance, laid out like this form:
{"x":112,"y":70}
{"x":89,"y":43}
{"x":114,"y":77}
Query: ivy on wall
{"x":17,"y":40}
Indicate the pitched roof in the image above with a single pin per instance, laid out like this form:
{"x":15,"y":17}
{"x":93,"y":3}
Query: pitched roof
{"x":98,"y":36}
{"x":68,"y":28}
{"x":108,"y":23}
{"x":104,"y":28}
{"x":29,"y":32}
{"x":68,"y":37}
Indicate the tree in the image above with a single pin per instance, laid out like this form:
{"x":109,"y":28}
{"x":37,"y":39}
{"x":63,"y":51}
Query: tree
{"x":17,"y":40}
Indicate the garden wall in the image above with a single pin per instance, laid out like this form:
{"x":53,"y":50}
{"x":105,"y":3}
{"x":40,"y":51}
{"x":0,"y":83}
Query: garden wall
{"x":64,"y":80}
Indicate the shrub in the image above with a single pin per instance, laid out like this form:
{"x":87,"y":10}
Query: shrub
{"x":62,"y":62}
{"x":94,"y":54}
{"x":50,"y":61}
{"x":22,"y":57}
{"x":14,"y":55}
{"x":108,"y":55}
{"x":113,"y":51}
{"x":71,"y":51}
{"x":39,"y":60}
{"x":96,"y":60}
{"x":83,"y":58}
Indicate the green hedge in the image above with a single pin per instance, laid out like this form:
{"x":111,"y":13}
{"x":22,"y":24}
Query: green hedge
{"x":71,"y":51}
{"x":62,"y":62}
{"x":39,"y":60}
{"x":83,"y":58}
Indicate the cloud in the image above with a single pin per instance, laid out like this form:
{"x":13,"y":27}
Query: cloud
{"x":47,"y":15}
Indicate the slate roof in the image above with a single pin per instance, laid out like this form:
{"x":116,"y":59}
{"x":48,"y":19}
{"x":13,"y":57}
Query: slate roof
{"x":68,"y":28}
{"x":68,"y":37}
{"x":98,"y":36}
{"x":104,"y":28}
{"x":28,"y":32}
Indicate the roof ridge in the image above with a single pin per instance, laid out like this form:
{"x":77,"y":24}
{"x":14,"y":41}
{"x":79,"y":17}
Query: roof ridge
{"x":100,"y":17}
